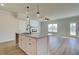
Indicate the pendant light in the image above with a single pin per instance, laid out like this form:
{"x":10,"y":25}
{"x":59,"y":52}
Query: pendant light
{"x":46,"y":19}
{"x":38,"y":13}
{"x":28,"y":19}
{"x":27,"y":12}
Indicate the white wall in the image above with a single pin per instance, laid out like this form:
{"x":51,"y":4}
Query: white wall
{"x":63,"y":25}
{"x":44,"y":28}
{"x":22,"y":26}
{"x":8,"y":26}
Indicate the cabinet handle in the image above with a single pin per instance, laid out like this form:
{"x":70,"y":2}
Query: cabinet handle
{"x":29,"y":39}
{"x":29,"y":43}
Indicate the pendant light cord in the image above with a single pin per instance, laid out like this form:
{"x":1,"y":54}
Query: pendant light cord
{"x":37,"y":7}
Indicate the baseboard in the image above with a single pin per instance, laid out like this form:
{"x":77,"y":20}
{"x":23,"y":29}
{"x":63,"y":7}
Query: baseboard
{"x":7,"y":40}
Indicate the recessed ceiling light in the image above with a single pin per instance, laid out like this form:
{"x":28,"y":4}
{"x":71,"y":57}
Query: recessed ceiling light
{"x":2,"y":4}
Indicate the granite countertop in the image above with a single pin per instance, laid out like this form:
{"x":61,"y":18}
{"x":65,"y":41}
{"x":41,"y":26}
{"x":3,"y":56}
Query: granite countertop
{"x":36,"y":36}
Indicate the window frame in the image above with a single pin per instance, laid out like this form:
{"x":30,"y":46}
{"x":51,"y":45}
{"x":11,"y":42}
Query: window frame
{"x":53,"y":26}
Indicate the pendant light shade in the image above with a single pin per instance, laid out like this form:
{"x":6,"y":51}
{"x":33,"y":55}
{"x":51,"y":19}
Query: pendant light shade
{"x":38,"y":13}
{"x":28,"y":18}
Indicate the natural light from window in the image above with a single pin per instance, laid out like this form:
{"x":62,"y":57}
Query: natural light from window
{"x":52,"y":27}
{"x":72,"y":28}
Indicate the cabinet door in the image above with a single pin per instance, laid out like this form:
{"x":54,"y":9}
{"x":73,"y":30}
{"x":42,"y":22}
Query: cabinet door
{"x":22,"y":43}
{"x":42,"y":46}
{"x":31,"y":46}
{"x":28,"y":45}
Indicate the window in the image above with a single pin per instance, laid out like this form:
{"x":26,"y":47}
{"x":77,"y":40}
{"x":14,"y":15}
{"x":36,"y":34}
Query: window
{"x":52,"y":27}
{"x":72,"y":28}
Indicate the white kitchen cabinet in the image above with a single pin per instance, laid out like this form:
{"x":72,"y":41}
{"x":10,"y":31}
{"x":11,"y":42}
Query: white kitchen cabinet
{"x":31,"y":46}
{"x":34,"y":46}
{"x":42,"y":46}
{"x":22,"y":43}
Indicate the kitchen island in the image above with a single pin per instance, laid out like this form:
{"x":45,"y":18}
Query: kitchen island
{"x":33,"y":44}
{"x":50,"y":44}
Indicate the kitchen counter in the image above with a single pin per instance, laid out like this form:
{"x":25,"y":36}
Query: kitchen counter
{"x":33,"y":44}
{"x":35,"y":36}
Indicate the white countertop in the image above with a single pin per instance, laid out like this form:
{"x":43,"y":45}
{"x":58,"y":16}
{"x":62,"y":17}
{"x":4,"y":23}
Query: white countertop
{"x":37,"y":36}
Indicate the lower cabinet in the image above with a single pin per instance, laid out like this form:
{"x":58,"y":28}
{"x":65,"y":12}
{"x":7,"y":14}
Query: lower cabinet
{"x":22,"y":43}
{"x":42,"y":46}
{"x":32,"y":46}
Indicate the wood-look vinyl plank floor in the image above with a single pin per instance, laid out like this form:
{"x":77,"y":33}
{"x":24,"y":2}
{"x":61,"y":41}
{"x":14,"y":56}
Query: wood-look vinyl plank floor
{"x":57,"y":46}
{"x":10,"y":48}
{"x":63,"y":46}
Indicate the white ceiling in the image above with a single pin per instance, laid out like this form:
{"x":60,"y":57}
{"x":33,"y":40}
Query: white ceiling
{"x":50,"y":10}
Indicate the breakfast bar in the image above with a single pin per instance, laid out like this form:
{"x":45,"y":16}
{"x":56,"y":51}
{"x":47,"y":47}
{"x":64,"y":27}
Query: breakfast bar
{"x":33,"y":44}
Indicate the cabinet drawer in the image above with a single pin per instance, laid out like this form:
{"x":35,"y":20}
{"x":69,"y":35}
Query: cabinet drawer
{"x":28,"y":45}
{"x":31,"y":46}
{"x":31,"y":40}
